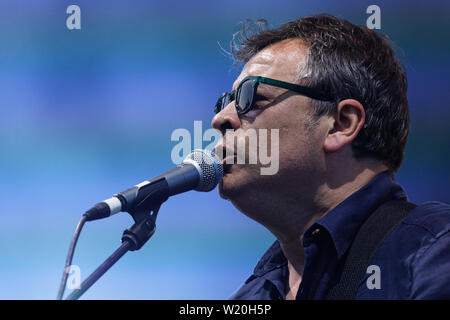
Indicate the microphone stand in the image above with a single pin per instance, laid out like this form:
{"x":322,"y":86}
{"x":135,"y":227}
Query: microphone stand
{"x":133,"y":239}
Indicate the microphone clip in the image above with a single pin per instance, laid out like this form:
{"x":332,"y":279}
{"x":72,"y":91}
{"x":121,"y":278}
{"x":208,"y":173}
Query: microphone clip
{"x":143,"y":229}
{"x":144,"y":214}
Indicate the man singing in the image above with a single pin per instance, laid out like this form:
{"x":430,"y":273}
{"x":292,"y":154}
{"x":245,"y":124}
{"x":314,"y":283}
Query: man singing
{"x":344,"y":229}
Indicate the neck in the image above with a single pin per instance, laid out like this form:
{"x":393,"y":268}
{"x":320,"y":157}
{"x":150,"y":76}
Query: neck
{"x":292,"y":214}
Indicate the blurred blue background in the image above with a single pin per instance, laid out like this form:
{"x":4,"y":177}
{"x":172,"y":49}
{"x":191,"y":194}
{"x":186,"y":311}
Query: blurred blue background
{"x":87,"y":113}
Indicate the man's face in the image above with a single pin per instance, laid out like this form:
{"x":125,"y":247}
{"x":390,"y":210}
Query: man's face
{"x":300,"y":149}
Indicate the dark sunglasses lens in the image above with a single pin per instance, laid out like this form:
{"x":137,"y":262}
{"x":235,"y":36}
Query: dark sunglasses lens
{"x":245,"y":96}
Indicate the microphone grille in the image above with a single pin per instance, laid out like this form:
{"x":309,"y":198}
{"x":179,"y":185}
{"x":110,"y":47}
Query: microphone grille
{"x":209,"y":166}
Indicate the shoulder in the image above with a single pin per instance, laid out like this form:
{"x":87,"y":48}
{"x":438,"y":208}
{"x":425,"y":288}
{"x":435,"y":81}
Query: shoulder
{"x":416,"y":255}
{"x":432,"y":217}
{"x":426,"y":226}
{"x":423,"y":226}
{"x":427,"y":231}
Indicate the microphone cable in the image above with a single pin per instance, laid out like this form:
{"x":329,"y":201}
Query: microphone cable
{"x":69,"y":258}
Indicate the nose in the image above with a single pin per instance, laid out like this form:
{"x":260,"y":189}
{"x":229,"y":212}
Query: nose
{"x":227,"y":118}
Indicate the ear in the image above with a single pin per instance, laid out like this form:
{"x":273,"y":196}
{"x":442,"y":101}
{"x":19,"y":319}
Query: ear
{"x":344,"y":125}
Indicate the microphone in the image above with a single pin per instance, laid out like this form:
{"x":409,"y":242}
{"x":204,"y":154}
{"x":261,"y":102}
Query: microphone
{"x":201,"y":170}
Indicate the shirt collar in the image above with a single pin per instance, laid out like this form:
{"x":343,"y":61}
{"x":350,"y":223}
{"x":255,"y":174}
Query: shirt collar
{"x":344,"y":221}
{"x":272,"y":259}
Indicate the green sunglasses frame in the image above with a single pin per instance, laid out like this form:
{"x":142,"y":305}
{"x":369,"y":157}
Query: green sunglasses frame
{"x":256,"y":80}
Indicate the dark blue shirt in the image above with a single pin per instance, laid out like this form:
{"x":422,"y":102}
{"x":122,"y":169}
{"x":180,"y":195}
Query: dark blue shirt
{"x":413,"y":261}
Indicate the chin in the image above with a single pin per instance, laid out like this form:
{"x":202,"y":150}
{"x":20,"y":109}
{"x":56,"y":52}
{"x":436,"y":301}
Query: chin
{"x":236,"y":183}
{"x":226,"y":186}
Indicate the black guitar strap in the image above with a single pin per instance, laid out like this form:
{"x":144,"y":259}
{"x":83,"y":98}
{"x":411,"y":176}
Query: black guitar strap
{"x":368,"y":238}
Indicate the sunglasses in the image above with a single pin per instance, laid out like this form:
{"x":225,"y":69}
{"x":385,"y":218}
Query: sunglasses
{"x":245,"y":93}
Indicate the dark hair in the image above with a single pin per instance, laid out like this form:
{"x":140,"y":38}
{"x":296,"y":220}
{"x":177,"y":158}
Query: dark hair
{"x":350,"y":62}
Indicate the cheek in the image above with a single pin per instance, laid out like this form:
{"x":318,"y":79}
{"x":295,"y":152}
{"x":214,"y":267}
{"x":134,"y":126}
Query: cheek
{"x":294,"y":143}
{"x":297,"y":148}
{"x":292,"y":139}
